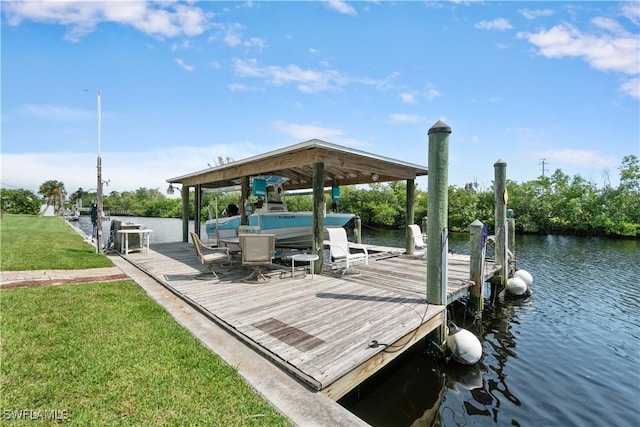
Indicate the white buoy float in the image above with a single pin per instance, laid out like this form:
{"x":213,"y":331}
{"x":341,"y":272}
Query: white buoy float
{"x":524,"y":275}
{"x":520,"y":284}
{"x":465,"y":347}
{"x":517,"y":286}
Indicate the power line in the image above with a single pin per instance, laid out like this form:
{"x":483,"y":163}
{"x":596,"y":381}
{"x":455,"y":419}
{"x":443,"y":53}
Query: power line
{"x":2,"y":184}
{"x":543,"y":162}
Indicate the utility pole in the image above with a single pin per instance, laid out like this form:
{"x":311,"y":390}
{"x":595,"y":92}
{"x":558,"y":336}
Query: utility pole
{"x":99,"y":190}
{"x":542,"y":163}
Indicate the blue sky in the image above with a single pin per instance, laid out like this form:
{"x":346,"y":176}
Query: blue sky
{"x":184,"y":83}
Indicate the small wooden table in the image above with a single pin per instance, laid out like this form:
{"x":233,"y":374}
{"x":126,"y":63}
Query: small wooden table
{"x":233,"y":243}
{"x":310,"y":258}
{"x":145,"y":234}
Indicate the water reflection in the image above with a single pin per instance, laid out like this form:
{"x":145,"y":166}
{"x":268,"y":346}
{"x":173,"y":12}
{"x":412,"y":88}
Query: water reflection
{"x":408,"y":391}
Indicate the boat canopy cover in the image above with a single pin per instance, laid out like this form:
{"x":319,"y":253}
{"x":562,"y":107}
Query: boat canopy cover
{"x":272,"y":180}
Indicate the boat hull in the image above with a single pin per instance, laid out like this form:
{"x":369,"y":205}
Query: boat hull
{"x":292,"y":229}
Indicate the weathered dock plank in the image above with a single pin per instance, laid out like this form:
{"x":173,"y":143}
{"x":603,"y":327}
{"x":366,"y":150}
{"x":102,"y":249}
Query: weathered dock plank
{"x":319,"y":329}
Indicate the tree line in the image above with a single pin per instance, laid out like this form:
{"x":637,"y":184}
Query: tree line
{"x":556,"y":204}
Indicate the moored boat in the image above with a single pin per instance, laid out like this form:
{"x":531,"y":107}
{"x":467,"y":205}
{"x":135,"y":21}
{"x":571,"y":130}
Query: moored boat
{"x":293,"y":229}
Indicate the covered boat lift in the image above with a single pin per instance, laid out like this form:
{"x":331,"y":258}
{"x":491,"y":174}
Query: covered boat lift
{"x":312,"y":164}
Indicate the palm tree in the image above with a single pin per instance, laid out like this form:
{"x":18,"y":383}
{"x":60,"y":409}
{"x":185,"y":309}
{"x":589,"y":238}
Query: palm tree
{"x":55,"y":194}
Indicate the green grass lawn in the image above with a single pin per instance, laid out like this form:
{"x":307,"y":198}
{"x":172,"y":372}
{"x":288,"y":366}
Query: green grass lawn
{"x":29,"y":242}
{"x":104,"y":353}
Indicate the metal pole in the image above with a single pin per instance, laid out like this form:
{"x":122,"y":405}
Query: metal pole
{"x":99,"y":189}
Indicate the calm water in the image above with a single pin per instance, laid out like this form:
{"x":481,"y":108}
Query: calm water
{"x":569,"y":355}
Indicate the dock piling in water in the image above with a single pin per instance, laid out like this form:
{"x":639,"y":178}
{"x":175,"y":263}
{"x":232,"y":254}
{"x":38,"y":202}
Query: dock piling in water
{"x":501,"y":197}
{"x":477,"y":252}
{"x":437,"y":224}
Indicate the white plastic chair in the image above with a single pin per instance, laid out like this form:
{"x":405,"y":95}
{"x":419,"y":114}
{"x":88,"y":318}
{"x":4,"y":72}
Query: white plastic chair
{"x":419,"y":239}
{"x":341,"y":249}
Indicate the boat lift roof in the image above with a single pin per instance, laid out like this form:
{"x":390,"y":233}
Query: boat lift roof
{"x":342,"y":166}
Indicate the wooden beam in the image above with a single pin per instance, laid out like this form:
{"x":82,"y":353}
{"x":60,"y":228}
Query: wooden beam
{"x":198,"y":206}
{"x":185,"y":213}
{"x":346,"y":169}
{"x":409,"y":244}
{"x":244,"y":198}
{"x":319,"y":208}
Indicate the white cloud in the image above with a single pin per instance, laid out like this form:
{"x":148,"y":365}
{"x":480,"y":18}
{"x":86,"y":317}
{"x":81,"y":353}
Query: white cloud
{"x":307,"y":131}
{"x":237,"y":87}
{"x":606,"y":52}
{"x":408,"y":98}
{"x":255,"y":42}
{"x":56,"y":112}
{"x":609,"y":48}
{"x":631,"y":87}
{"x":232,"y":36}
{"x":577,"y":157}
{"x":608,"y":24}
{"x":306,"y":80}
{"x":632,"y":12}
{"x":342,"y":7}
{"x":183,"y":65}
{"x":124,"y":170}
{"x":183,"y":45}
{"x":537,"y":13}
{"x":433,"y":93}
{"x":165,"y":19}
{"x":405,"y":118}
{"x":499,"y":24}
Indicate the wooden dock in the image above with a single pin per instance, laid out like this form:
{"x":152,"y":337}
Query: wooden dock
{"x":318,"y":329}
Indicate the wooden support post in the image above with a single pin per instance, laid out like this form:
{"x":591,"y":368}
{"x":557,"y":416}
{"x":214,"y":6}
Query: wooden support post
{"x":244,"y":200}
{"x":409,"y":244}
{"x":501,"y":197}
{"x":198,"y":207}
{"x":319,"y":210}
{"x":477,"y":251}
{"x":357,"y":229}
{"x":437,"y":224}
{"x":185,"y":213}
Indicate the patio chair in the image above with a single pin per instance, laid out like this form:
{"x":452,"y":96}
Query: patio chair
{"x":341,"y":249}
{"x":215,"y":255}
{"x":258,"y":251}
{"x":419,"y":240}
